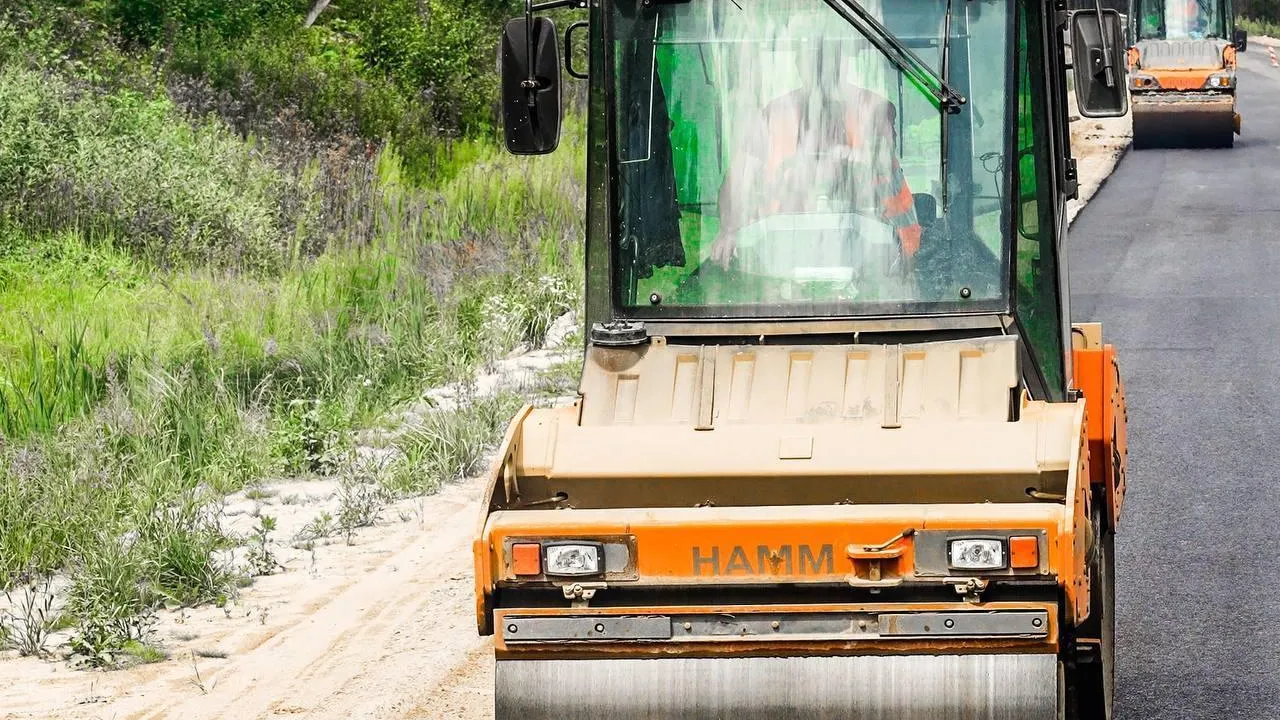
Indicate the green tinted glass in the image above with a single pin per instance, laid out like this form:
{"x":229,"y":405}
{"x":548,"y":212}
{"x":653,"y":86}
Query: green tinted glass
{"x":1180,"y":19}
{"x":1037,"y":272}
{"x":772,"y":161}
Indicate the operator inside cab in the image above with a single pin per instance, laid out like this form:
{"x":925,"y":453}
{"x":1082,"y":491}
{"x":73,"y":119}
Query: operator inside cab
{"x":828,"y":144}
{"x":1180,"y":20}
{"x":774,"y":159}
{"x":1194,"y":19}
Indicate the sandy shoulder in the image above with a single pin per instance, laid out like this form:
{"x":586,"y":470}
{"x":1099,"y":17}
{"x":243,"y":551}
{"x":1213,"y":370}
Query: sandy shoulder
{"x":361,"y":631}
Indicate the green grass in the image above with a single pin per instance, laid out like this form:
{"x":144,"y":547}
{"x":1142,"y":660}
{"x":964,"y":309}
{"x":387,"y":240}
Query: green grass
{"x":133,"y":396}
{"x":1258,"y":27}
{"x":226,"y":246}
{"x":176,"y":380}
{"x":449,"y":445}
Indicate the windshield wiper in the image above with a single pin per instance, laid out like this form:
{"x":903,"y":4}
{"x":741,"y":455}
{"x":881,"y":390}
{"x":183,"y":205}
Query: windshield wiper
{"x":946,"y":127}
{"x":903,"y":57}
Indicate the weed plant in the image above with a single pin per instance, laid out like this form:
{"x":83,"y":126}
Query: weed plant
{"x":449,"y":445}
{"x":30,"y":618}
{"x":260,"y":559}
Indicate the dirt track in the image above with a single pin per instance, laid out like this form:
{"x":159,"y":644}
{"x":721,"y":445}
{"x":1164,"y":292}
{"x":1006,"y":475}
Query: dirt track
{"x":381,"y":629}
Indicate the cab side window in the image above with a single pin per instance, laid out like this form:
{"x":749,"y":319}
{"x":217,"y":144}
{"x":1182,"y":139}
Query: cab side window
{"x":1037,"y":269}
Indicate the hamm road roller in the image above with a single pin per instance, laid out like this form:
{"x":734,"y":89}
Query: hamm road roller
{"x":838,"y":450}
{"x":1182,"y":73}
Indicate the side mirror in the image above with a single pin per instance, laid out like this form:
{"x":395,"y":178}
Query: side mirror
{"x":1241,"y":39}
{"x":531,"y":111}
{"x":1098,"y":62}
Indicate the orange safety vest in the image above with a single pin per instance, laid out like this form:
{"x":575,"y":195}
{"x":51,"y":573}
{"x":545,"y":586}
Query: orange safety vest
{"x":865,"y":115}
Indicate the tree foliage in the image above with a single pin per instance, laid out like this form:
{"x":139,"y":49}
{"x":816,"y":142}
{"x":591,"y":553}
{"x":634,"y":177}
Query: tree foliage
{"x":417,"y":72}
{"x":1265,"y":10}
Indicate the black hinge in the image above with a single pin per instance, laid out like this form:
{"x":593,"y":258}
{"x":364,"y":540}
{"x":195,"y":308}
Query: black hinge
{"x":1071,"y":180}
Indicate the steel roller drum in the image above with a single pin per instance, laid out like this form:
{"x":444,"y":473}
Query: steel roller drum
{"x":915,"y":687}
{"x":1182,"y":122}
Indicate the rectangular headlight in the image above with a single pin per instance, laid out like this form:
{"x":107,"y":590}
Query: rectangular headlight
{"x":572,"y":559}
{"x":977,"y":554}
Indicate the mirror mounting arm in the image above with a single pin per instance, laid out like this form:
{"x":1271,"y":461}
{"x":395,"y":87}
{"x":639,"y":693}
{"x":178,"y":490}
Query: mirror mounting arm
{"x":530,"y":84}
{"x":1108,"y":70}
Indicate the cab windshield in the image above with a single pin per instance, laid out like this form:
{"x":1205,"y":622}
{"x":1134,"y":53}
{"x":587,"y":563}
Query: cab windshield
{"x":1179,"y":19}
{"x":771,"y":159}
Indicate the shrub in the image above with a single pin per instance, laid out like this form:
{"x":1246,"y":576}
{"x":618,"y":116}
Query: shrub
{"x":110,"y":601}
{"x":181,"y":544}
{"x":450,"y":445}
{"x":125,"y":167}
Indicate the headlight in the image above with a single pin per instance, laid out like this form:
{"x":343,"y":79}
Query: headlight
{"x":1142,"y":81}
{"x":1219,"y":80}
{"x":977,"y":554}
{"x":572,"y":559}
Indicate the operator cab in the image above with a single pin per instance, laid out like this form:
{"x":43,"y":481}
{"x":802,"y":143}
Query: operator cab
{"x":1186,"y":20}
{"x":766,"y":169}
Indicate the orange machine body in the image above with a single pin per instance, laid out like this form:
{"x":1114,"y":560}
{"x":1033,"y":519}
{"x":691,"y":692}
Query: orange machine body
{"x":752,"y":571}
{"x":1177,"y":74}
{"x":1183,"y":93}
{"x":1097,"y":376}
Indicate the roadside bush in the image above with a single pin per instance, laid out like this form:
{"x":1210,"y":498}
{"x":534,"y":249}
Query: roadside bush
{"x":450,"y":445}
{"x":439,"y":50}
{"x":1268,"y":24}
{"x":294,"y":83}
{"x":182,"y":544}
{"x":146,"y":22}
{"x":110,"y":601}
{"x":127,"y":168}
{"x":528,"y":306}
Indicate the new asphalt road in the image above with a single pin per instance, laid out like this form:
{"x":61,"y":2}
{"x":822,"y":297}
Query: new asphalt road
{"x":1179,"y":257}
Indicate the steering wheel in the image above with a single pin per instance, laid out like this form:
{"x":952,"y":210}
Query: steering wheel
{"x":828,"y":170}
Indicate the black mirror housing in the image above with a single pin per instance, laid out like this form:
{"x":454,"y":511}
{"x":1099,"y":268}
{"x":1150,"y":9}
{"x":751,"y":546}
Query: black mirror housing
{"x":531,"y":103}
{"x":1098,"y":61}
{"x":1241,"y":40}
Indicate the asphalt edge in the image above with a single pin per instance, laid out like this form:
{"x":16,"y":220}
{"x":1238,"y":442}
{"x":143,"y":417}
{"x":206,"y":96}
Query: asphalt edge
{"x":1083,"y":202}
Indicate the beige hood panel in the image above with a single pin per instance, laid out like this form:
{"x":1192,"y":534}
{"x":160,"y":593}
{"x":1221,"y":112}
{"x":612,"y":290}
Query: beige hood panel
{"x":1181,"y":54}
{"x":660,"y":384}
{"x":670,"y":426}
{"x":793,"y":463}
